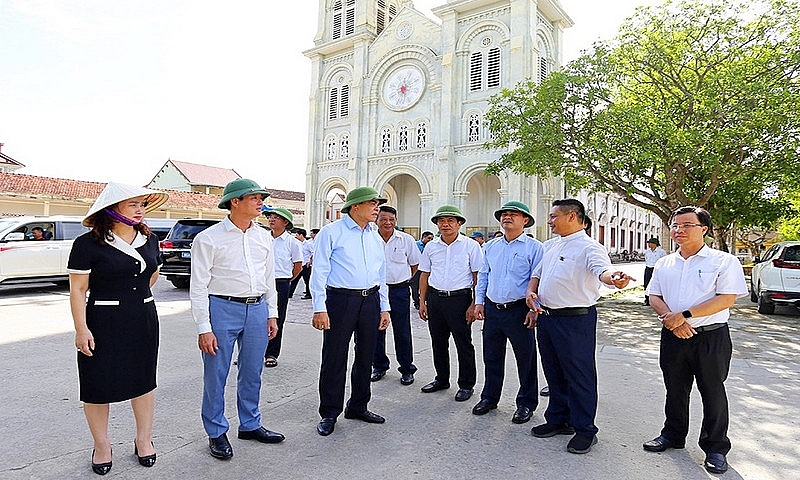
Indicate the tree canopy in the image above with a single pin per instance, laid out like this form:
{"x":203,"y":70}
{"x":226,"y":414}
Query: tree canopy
{"x":693,"y":103}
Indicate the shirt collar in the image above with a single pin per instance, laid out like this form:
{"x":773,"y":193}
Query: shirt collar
{"x":230,"y":226}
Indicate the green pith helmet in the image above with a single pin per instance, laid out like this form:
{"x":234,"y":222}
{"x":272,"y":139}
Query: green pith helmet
{"x":449,"y":211}
{"x":238,"y":188}
{"x":281,"y":212}
{"x":361,"y":195}
{"x":655,"y":241}
{"x":516,"y":207}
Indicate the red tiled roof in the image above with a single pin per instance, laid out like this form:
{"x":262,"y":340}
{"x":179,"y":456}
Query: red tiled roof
{"x":205,"y":175}
{"x":86,"y":192}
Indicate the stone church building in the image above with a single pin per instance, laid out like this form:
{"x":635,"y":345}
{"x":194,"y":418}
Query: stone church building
{"x":398,"y":100}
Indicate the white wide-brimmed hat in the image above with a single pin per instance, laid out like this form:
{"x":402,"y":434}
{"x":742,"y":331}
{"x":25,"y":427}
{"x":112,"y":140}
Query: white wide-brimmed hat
{"x":117,"y":192}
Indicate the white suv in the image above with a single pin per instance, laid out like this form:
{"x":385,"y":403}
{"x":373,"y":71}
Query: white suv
{"x":36,"y":248}
{"x":776,"y":277}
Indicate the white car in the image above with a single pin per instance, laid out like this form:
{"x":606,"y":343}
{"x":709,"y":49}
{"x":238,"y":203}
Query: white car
{"x":36,"y":248}
{"x":775,"y":279}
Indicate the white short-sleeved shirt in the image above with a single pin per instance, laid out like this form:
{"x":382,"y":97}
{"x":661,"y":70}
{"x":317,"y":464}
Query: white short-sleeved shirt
{"x":569,"y":273}
{"x":451,"y":266}
{"x":685,"y":283}
{"x":288,"y":250}
{"x":401,"y":254}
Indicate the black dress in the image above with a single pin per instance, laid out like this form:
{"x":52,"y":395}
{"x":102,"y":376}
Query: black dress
{"x":121,"y":314}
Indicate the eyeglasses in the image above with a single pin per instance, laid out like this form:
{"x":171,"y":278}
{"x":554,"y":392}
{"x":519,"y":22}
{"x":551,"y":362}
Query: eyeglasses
{"x":684,"y":226}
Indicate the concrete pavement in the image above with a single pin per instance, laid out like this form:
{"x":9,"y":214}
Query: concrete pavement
{"x":43,"y":432}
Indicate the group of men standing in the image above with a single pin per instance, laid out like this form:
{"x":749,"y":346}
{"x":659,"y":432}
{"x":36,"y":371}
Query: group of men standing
{"x":365,"y":271}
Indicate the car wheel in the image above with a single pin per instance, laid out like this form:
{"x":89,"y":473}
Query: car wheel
{"x":753,"y":293}
{"x":765,"y":306}
{"x":180,"y":282}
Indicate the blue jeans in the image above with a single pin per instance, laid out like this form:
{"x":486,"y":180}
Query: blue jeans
{"x":245,"y":325}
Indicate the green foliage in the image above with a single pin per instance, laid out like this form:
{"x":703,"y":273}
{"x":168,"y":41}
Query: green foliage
{"x":693,"y":103}
{"x":789,"y":228}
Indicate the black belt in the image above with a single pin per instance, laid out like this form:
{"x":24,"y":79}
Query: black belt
{"x":566,"y":312}
{"x":247,"y":300}
{"x":709,"y":328}
{"x":353,"y":291}
{"x":398,"y":285}
{"x":507,"y":305}
{"x":282,"y":280}
{"x":452,"y":293}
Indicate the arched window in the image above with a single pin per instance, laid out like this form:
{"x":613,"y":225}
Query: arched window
{"x":344,"y":143}
{"x":339,"y":98}
{"x":330,"y":150}
{"x":344,"y":101}
{"x":484,"y":64}
{"x":337,"y":20}
{"x":474,"y":128}
{"x":422,"y":135}
{"x":386,"y":140}
{"x":385,"y":14}
{"x":333,"y":104}
{"x":543,"y":61}
{"x":402,"y":138}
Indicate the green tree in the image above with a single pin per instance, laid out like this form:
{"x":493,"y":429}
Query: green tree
{"x":789,"y":228}
{"x":693,"y":103}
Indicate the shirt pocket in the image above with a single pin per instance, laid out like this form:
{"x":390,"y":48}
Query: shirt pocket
{"x":398,"y":256}
{"x":519,"y":266}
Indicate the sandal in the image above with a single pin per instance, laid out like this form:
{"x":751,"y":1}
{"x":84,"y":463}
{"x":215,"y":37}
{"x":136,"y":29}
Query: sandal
{"x":271,"y":362}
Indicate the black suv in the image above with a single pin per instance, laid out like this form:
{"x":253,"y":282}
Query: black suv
{"x":176,"y":249}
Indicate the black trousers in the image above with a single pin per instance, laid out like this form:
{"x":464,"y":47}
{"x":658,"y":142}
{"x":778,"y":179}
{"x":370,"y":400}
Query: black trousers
{"x":348,"y":314}
{"x":448,"y":316}
{"x":305,"y":274}
{"x":274,"y":345}
{"x":648,"y":274}
{"x":499,"y":327}
{"x":399,"y":301}
{"x":705,"y":357}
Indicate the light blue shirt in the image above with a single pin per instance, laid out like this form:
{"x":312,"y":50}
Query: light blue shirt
{"x":345,"y":256}
{"x":507,"y":268}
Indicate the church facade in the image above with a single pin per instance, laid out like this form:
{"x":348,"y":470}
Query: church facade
{"x":398,"y":101}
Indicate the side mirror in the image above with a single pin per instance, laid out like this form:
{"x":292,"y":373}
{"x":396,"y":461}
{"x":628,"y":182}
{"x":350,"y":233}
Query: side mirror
{"x":14,"y":237}
{"x":756,"y":259}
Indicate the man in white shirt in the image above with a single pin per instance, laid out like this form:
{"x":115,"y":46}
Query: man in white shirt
{"x":307,"y":248}
{"x":288,"y":263}
{"x":692,"y":291}
{"x":652,"y":254}
{"x":563,"y":291}
{"x":402,"y":259}
{"x":449,"y":268}
{"x":233,"y":300}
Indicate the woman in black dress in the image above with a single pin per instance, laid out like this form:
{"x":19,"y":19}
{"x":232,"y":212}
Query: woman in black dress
{"x":116,"y":327}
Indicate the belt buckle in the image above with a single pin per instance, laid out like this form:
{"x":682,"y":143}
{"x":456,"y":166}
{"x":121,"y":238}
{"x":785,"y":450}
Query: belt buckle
{"x":446,"y":293}
{"x":365,"y":292}
{"x":502,"y":306}
{"x":251,"y":300}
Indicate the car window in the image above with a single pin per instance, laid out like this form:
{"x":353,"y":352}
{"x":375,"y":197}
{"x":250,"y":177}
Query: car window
{"x":187,"y":230}
{"x":770,"y":253}
{"x":70,"y":230}
{"x":792,"y":253}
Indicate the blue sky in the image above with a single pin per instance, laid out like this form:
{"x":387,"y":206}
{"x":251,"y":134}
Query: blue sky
{"x":109,"y":90}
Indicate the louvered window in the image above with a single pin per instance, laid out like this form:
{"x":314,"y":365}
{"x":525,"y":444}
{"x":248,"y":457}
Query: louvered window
{"x":475,"y":68}
{"x":350,"y":17}
{"x":392,"y":13}
{"x":544,"y":69}
{"x":333,"y":107}
{"x":344,"y":102}
{"x":493,"y":70}
{"x":337,"y":20}
{"x":380,"y":20}
{"x":402,"y":138}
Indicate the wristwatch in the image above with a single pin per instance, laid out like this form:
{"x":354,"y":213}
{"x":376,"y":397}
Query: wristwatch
{"x":686,"y":314}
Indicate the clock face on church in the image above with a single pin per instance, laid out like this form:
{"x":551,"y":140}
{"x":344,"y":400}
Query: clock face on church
{"x":403,"y":88}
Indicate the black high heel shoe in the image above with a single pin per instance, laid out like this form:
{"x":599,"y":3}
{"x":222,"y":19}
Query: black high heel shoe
{"x":147,"y":461}
{"x":100,"y":468}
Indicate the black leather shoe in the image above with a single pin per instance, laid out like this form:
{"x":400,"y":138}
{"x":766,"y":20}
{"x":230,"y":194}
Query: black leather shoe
{"x":463,"y":394}
{"x":547,"y":430}
{"x":262,"y":435}
{"x":377,"y":375}
{"x":100,"y":468}
{"x":522,"y":415}
{"x":325,"y":426}
{"x":365,"y":416}
{"x":220,"y":447}
{"x":483,"y":407}
{"x":661,"y":443}
{"x":435,"y":386}
{"x":581,"y":444}
{"x":146,"y":461}
{"x":716,"y":463}
{"x":407,"y":379}
{"x":545,"y":392}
